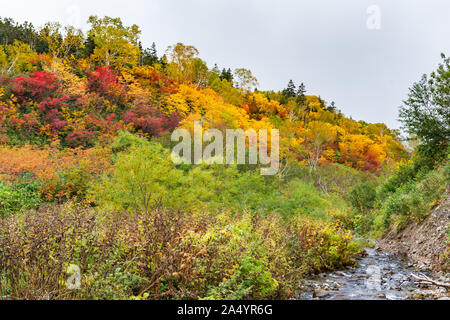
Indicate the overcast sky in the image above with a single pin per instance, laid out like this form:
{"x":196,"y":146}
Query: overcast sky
{"x":361,"y":54}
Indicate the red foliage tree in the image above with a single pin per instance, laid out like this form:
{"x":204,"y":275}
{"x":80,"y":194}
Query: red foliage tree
{"x":149,"y":119}
{"x":104,"y":81}
{"x":51,"y":112}
{"x":40,"y":85}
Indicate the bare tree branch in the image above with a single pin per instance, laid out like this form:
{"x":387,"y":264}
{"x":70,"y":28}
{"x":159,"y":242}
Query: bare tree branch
{"x":423,"y":279}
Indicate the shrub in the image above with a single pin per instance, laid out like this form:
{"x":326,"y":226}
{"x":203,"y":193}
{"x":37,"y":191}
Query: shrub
{"x":307,"y":199}
{"x":251,"y":279}
{"x":16,"y":197}
{"x":405,"y":174}
{"x":320,"y":246}
{"x":104,"y":81}
{"x":144,"y":173}
{"x":40,"y":85}
{"x":363,"y":197}
{"x":335,"y":178}
{"x":163,"y":254}
{"x":142,"y":179}
{"x":414,"y":199}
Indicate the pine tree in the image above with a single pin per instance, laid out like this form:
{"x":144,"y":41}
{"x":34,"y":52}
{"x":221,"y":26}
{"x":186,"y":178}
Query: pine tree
{"x":163,"y":61}
{"x":301,"y":90}
{"x":322,"y":103}
{"x":150,"y":56}
{"x":216,"y":69}
{"x":222,"y":75}
{"x":26,"y":33}
{"x":289,"y":92}
{"x":89,"y":46}
{"x":226,"y":75}
{"x":141,"y":55}
{"x":154,"y":53}
{"x":301,"y":98}
{"x":332,"y":107}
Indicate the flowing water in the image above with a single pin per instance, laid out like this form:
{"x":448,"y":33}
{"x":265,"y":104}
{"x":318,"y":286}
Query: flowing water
{"x":378,"y":276}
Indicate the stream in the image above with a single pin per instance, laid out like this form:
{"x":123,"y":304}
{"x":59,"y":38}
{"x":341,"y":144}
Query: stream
{"x":378,"y":276}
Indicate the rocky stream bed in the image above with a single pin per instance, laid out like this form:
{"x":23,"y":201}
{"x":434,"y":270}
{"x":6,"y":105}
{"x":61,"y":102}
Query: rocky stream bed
{"x":378,"y":276}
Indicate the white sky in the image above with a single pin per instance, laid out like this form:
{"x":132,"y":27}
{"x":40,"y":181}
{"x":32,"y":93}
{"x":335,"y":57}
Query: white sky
{"x":325,"y":44}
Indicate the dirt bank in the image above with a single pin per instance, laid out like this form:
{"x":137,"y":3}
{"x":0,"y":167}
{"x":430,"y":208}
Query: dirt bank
{"x":423,"y":243}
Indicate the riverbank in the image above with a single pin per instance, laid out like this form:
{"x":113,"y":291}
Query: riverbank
{"x":424,"y":243}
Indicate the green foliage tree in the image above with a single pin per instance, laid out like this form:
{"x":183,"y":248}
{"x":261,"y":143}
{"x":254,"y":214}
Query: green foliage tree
{"x":183,"y":60}
{"x":15,"y":58}
{"x":426,"y":112}
{"x":115,"y":44}
{"x":72,"y":45}
{"x":142,"y":179}
{"x":199,"y":73}
{"x":51,"y":33}
{"x":25,"y":32}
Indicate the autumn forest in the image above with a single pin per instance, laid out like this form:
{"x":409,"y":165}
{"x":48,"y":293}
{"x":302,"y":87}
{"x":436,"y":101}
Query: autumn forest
{"x":88,"y":187}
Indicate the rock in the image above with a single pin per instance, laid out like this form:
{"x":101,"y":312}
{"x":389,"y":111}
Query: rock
{"x":306,"y":295}
{"x":320,"y":293}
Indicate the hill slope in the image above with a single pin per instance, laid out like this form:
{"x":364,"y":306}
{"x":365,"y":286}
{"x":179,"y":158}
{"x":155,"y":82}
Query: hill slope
{"x":424,"y":243}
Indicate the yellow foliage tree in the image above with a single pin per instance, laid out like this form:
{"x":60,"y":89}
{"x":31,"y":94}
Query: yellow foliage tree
{"x":317,"y":136}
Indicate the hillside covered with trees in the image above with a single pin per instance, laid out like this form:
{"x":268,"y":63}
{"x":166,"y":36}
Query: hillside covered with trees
{"x":86,"y":177}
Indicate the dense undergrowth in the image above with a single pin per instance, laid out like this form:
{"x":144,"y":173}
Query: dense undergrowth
{"x":410,"y":193}
{"x":203,"y":232}
{"x":165,"y":254}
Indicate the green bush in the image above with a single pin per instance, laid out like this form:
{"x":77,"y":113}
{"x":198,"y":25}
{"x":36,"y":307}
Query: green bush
{"x":413,"y":199}
{"x":404,"y":175}
{"x":334,"y":178}
{"x":363,"y":197}
{"x":251,"y":279}
{"x":307,"y":199}
{"x":16,"y":197}
{"x":125,"y":141}
{"x":144,"y":177}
